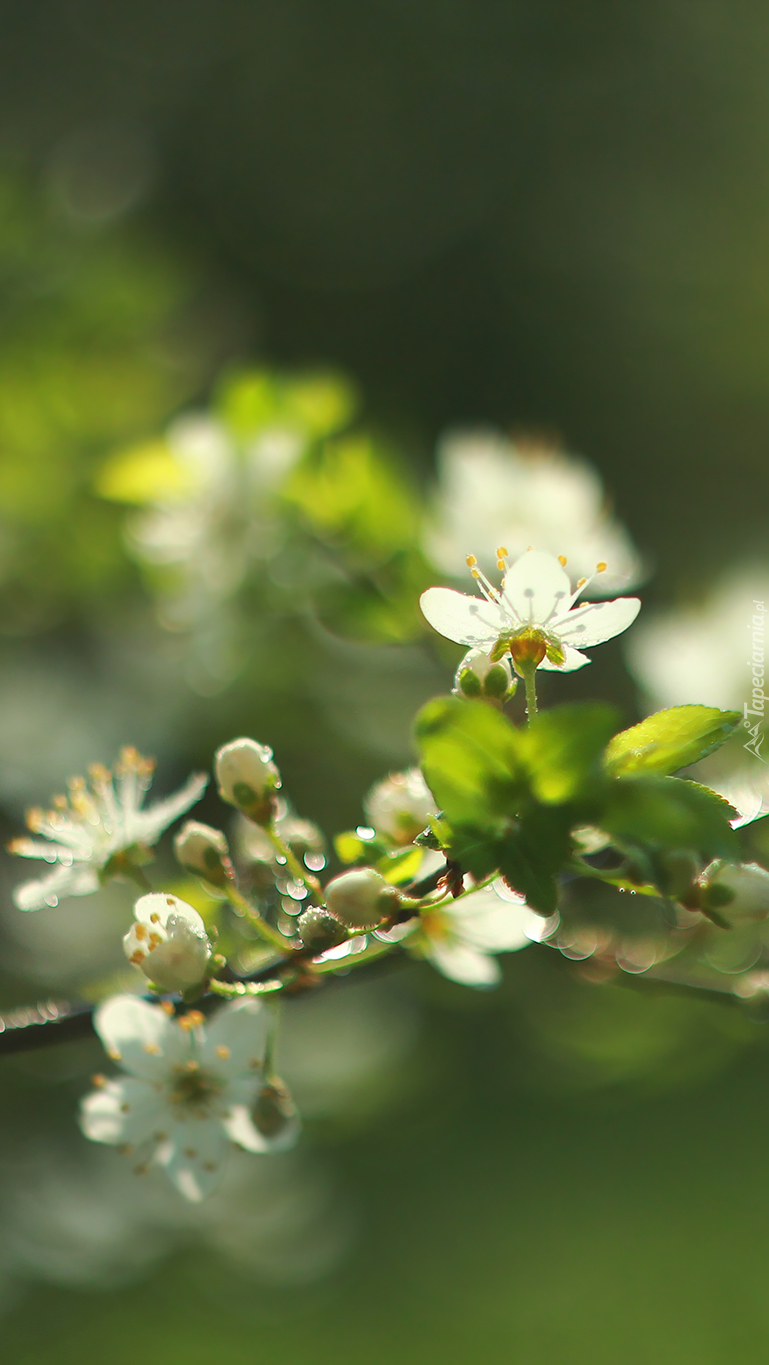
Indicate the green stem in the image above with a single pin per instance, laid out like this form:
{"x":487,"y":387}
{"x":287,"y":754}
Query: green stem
{"x":529,"y":672}
{"x":265,"y":930}
{"x":298,"y":872}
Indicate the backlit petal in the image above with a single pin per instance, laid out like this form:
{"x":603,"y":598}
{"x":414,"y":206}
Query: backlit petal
{"x":595,"y":622}
{"x":464,"y":964}
{"x":537,"y":587}
{"x":572,"y":659}
{"x":141,"y":1037}
{"x":468,"y":620}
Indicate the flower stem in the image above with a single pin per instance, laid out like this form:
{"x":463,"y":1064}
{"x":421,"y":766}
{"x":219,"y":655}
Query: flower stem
{"x":298,"y":872}
{"x":232,"y":990}
{"x":265,"y":930}
{"x":529,"y":671}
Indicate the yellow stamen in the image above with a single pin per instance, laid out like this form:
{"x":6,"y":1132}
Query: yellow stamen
{"x":167,"y":1008}
{"x":502,"y":552}
{"x":155,"y":919}
{"x":223,"y":1052}
{"x":601,"y":568}
{"x":471,"y":561}
{"x":582,"y":582}
{"x":141,"y":931}
{"x":562,"y":561}
{"x":99,"y":1081}
{"x":138,"y":957}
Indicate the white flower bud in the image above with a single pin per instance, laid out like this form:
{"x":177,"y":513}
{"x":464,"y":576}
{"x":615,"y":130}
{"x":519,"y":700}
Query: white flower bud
{"x":362,"y":898}
{"x":247,"y":778}
{"x":400,"y":806}
{"x":168,"y":943}
{"x":479,"y":676}
{"x":202,"y":850}
{"x":737,"y":893}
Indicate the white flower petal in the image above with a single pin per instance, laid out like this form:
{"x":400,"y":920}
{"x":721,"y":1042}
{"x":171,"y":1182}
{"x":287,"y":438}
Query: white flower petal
{"x":146,"y":826}
{"x":75,"y":880}
{"x":240,"y":1128}
{"x":193,"y":1157}
{"x":572,"y":660}
{"x":484,"y":921}
{"x":468,"y":620}
{"x":161,"y":905}
{"x":537,"y":587}
{"x":464,"y":964}
{"x":235,"y":1038}
{"x":595,"y":622}
{"x":125,"y":1111}
{"x":141,"y":1037}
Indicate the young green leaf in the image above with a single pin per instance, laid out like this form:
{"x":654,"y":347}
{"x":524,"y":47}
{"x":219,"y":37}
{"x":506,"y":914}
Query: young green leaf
{"x":655,"y":813}
{"x":472,"y":761}
{"x":562,"y":747}
{"x":670,"y":740}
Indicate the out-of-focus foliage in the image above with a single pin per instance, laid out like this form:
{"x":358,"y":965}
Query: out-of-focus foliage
{"x":88,"y":356}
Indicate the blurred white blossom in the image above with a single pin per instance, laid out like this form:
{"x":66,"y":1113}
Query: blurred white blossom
{"x":492,"y":491}
{"x":701,"y":652}
{"x":190,"y":1088}
{"x":461,"y":937}
{"x":99,"y":820}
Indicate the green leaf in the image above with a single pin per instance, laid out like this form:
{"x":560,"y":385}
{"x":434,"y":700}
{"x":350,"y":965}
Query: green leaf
{"x":562,"y":748}
{"x":670,"y":740}
{"x":656,"y":813}
{"x":472,"y":761}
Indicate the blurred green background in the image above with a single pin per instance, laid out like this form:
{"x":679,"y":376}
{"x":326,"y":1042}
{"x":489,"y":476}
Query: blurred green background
{"x":545,"y":217}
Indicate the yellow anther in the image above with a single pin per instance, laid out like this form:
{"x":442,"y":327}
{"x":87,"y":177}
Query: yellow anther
{"x":192,"y":1019}
{"x":476,"y":573}
{"x":114,"y":1054}
{"x":223,"y":1052}
{"x":59,"y":802}
{"x":170,"y":900}
{"x":138,"y":957}
{"x":140,"y":931}
{"x":167,"y":1008}
{"x":152,"y":1049}
{"x":601,"y":568}
{"x":99,"y":1081}
{"x":582,"y":582}
{"x":502,"y":552}
{"x":562,"y":561}
{"x":471,"y":561}
{"x":155,"y":940}
{"x":155,"y":918}
{"x":501,"y":565}
{"x":34,"y":819}
{"x":529,"y":547}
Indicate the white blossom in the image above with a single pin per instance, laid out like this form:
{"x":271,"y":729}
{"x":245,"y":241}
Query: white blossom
{"x":460,"y":938}
{"x":189,"y":1092}
{"x":737,"y":892}
{"x":536,"y":606}
{"x":400,"y":806}
{"x":168,"y":943}
{"x":100,"y":819}
{"x":493,"y":491}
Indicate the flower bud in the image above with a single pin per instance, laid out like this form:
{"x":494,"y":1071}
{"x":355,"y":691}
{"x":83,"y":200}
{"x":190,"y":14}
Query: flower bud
{"x":274,"y":1114}
{"x":203,"y":850}
{"x":735,"y":893}
{"x":479,"y":675}
{"x":248,"y":778}
{"x":362,"y":898}
{"x":168,"y":943}
{"x":400,"y":807}
{"x":320,"y":931}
